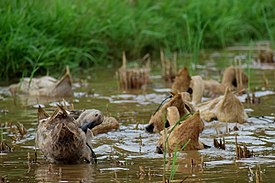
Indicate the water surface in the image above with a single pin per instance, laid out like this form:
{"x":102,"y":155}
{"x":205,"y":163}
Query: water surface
{"x":128,"y":155}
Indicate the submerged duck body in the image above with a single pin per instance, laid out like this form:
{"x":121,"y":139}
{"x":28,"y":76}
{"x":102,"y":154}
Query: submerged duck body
{"x":225,"y":108}
{"x":233,"y":78}
{"x":44,"y":86}
{"x":158,"y":121}
{"x":181,"y":133}
{"x":62,"y":140}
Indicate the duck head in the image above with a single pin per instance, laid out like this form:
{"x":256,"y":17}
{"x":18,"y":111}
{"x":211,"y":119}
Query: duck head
{"x":90,"y":119}
{"x":62,"y":140}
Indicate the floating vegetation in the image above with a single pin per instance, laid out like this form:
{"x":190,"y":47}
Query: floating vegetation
{"x":32,"y":159}
{"x":142,"y":173}
{"x":4,"y":147}
{"x":133,"y":78}
{"x":16,"y":132}
{"x":219,"y":144}
{"x":265,"y":81}
{"x":257,"y":173}
{"x":240,"y":80}
{"x":242,"y":152}
{"x":21,"y":129}
{"x":252,"y":99}
{"x":51,"y":170}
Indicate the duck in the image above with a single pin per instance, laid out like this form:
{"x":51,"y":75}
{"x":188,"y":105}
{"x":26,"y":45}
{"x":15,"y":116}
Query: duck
{"x":225,"y":108}
{"x":182,"y":134}
{"x":233,"y":78}
{"x":157,"y":121}
{"x":62,"y":139}
{"x":192,"y":84}
{"x":46,"y":86}
{"x":181,"y":82}
{"x":109,"y":123}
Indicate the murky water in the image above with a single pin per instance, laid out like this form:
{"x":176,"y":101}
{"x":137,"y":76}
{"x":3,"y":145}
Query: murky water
{"x":128,"y":155}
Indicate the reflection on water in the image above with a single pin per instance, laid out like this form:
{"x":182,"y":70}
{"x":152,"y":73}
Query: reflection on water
{"x":65,"y":173}
{"x":128,"y":155}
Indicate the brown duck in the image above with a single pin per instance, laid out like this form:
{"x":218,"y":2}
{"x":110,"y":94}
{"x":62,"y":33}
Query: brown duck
{"x":225,"y":108}
{"x":181,"y":133}
{"x":65,"y":140}
{"x":158,"y":120}
{"x":233,"y":78}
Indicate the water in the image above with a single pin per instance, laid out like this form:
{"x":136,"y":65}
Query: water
{"x":128,"y":155}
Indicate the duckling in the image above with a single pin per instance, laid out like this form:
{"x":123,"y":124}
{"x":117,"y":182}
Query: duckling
{"x":44,"y":86}
{"x":226,"y":108}
{"x":65,"y":140}
{"x":181,"y":133}
{"x":157,"y":121}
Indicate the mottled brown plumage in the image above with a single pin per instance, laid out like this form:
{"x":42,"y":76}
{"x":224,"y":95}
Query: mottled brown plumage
{"x":180,"y":133}
{"x":108,"y":124}
{"x":62,"y":139}
{"x":185,"y":83}
{"x":182,"y":81}
{"x":233,"y":78}
{"x":225,"y":108}
{"x":158,"y":120}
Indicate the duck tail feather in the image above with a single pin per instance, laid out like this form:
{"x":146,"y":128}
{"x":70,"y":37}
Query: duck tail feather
{"x":64,"y":85}
{"x":41,"y":114}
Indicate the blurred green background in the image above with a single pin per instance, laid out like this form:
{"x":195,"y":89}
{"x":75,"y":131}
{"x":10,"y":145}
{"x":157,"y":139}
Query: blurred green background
{"x":42,"y":36}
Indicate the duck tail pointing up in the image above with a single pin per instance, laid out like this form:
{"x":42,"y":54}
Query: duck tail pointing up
{"x":41,"y":114}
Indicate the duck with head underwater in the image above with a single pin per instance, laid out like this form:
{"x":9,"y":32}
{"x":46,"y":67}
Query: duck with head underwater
{"x":62,"y":139}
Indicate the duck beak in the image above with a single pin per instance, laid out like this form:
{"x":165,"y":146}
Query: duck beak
{"x":90,"y":125}
{"x":159,"y":150}
{"x":149,"y":128}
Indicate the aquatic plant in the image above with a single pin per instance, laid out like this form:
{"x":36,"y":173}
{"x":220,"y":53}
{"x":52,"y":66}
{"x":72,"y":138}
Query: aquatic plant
{"x":173,"y":168}
{"x":220,"y":144}
{"x":47,"y":35}
{"x":242,"y":152}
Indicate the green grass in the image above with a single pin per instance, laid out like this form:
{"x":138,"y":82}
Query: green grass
{"x":46,"y":35}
